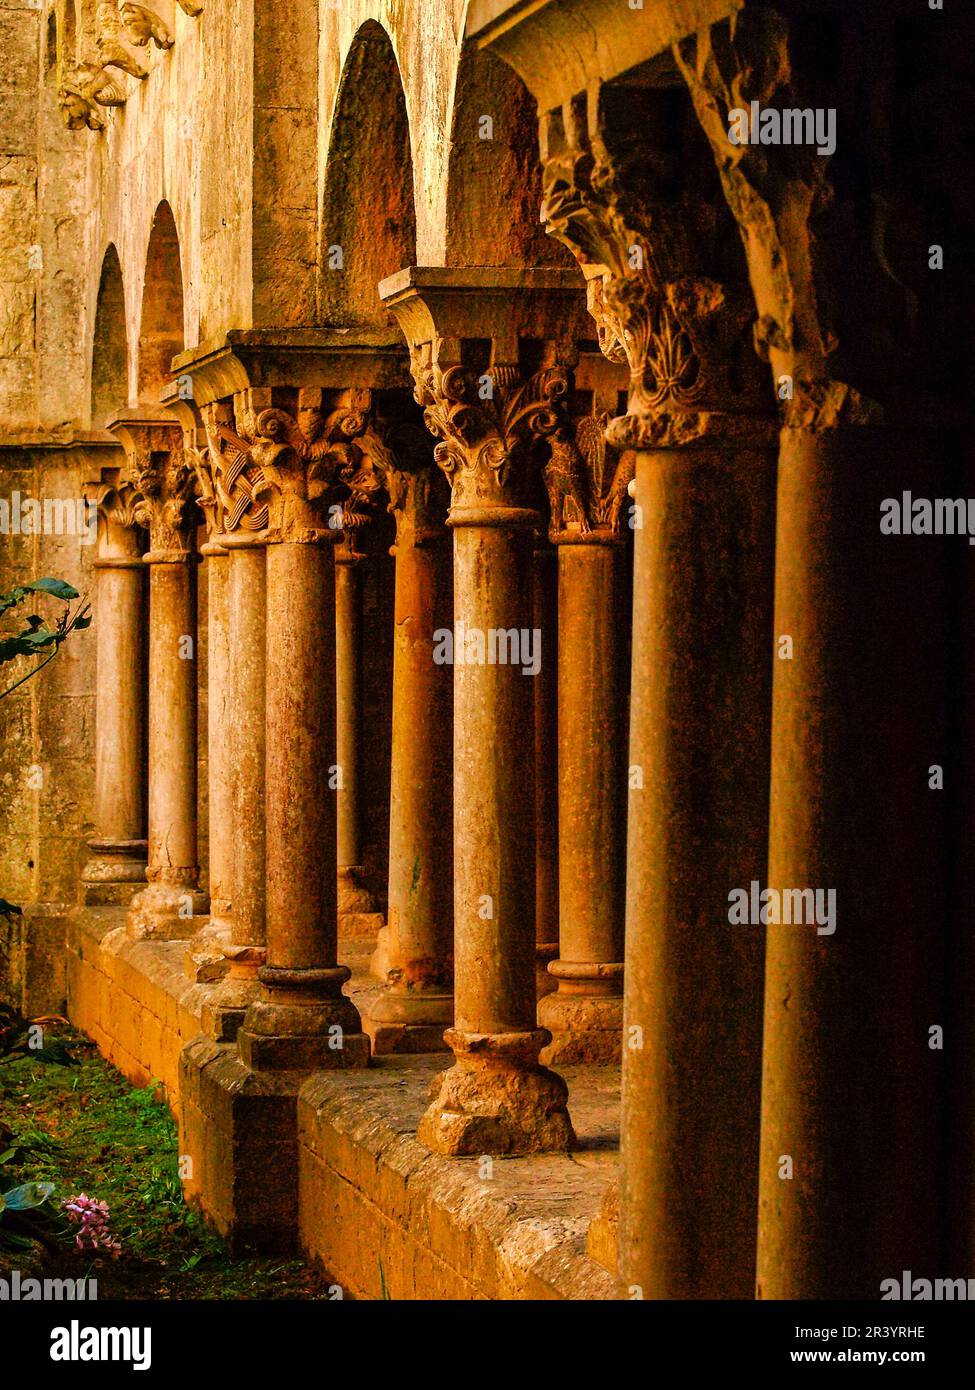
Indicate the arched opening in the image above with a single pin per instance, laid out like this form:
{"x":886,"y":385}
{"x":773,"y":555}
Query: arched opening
{"x":494,"y":186}
{"x":109,"y":356}
{"x":161,"y":329}
{"x":369,"y":222}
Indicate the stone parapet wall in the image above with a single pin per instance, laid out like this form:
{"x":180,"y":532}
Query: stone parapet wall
{"x":131,"y":997}
{"x":352,"y":1188}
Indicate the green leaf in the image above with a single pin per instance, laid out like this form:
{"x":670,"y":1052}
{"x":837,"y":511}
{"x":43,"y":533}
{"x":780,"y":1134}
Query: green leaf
{"x":6,"y":1157}
{"x":82,"y":622}
{"x":58,"y":587}
{"x":31,"y":1194}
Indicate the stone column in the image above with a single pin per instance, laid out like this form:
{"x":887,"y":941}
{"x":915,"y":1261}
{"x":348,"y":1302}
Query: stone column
{"x":416,"y":946}
{"x":587,"y":496}
{"x":234,"y":477}
{"x":852,"y":1118}
{"x":217,"y":569}
{"x":490,"y":415}
{"x":545,"y":623}
{"x":168,"y":906}
{"x":302,"y":1020}
{"x":119,"y":848}
{"x":353,"y":896}
{"x":669,"y":295}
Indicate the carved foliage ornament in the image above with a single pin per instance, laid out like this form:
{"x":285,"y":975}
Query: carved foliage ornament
{"x":487,"y":423}
{"x":118,"y":503}
{"x":682,"y":333}
{"x":315,"y":460}
{"x":167,"y":485}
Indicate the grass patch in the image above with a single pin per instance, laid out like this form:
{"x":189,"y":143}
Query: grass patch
{"x":86,"y":1129}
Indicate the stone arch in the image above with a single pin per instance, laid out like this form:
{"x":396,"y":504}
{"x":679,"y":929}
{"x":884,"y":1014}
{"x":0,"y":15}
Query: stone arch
{"x":494,"y":186}
{"x":161,"y":325}
{"x":109,"y":353}
{"x":369,"y":219}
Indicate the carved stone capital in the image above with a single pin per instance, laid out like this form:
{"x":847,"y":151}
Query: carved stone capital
{"x":489,"y":424}
{"x":827,"y":324}
{"x":617,"y":193}
{"x":315,"y":460}
{"x":161,"y":474}
{"x":119,"y":528}
{"x":491,"y":353}
{"x":586,"y":479}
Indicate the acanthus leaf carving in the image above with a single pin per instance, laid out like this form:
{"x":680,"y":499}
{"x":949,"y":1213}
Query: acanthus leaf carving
{"x":620,"y":205}
{"x":166,"y":484}
{"x":488,"y":423}
{"x":315,"y":461}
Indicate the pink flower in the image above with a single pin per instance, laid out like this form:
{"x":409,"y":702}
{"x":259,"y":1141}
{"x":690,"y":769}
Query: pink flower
{"x":91,"y":1218}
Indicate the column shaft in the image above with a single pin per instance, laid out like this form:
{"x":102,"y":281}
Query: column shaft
{"x":417,"y":1002}
{"x":495,"y":1098}
{"x":218,"y":740}
{"x":302,"y":1020}
{"x":247,"y":619}
{"x":585,"y":1016}
{"x":352,"y":896}
{"x":119,"y":849}
{"x":545,"y":623}
{"x":697,"y":828}
{"x":172,"y":899}
{"x":850,"y":1079}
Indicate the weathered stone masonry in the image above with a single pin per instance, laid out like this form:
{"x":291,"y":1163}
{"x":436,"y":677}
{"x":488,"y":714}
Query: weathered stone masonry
{"x":375,"y":332}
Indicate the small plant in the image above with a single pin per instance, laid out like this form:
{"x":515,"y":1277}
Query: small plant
{"x":25,"y":1212}
{"x":91,"y":1218}
{"x":38,"y":637}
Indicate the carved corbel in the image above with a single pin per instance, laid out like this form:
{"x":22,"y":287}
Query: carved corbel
{"x":110,"y":52}
{"x":140,"y":25}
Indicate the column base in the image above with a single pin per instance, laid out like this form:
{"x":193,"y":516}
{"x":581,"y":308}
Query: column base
{"x":584,"y":1027}
{"x":301,"y":1022}
{"x":225,"y":1007}
{"x":497,"y":1099}
{"x":354,"y":897}
{"x":381,"y":960}
{"x":205,"y":960}
{"x":404,"y":1021}
{"x":116,"y":868}
{"x":167,"y":909}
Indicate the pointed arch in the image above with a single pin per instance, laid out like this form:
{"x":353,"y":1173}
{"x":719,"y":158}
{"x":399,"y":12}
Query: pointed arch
{"x":368,"y":214}
{"x":161,"y":322}
{"x":494,"y":184}
{"x":110,"y":352}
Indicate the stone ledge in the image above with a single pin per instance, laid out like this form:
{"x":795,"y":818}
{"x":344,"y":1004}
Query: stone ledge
{"x":372,"y":1197}
{"x":351,"y":1182}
